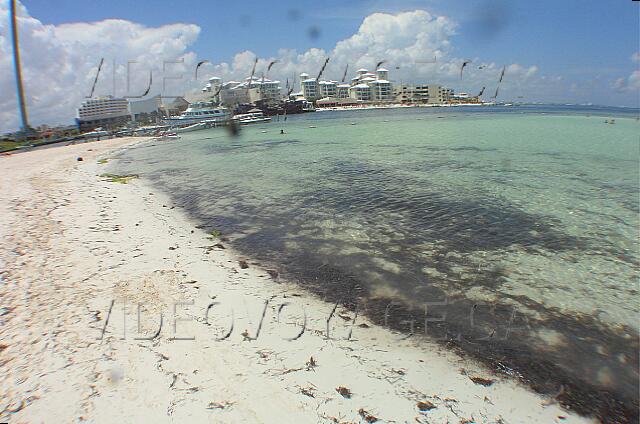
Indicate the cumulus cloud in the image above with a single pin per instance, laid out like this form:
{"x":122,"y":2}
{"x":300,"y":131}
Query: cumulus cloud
{"x":61,"y":61}
{"x":631,"y":84}
{"x":416,"y":46}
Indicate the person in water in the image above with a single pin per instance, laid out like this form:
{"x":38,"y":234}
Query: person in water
{"x":281,"y":131}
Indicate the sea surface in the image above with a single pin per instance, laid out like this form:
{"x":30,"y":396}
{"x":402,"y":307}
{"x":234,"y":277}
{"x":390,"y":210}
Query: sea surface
{"x":508,"y":233}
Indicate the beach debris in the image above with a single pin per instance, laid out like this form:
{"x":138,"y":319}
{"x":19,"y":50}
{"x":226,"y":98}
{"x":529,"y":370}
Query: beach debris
{"x":464,"y":64}
{"x":344,"y":316}
{"x":219,"y":246}
{"x":344,"y":392}
{"x":243,"y":264}
{"x":202,"y":62}
{"x":486,"y":382}
{"x":79,"y":159}
{"x":367,"y":416}
{"x":122,"y":179}
{"x":311,"y":364}
{"x":265,"y":354}
{"x":215,"y":234}
{"x":425,"y":405}
{"x":13,"y":409}
{"x":102,"y":161}
{"x":273,"y":273}
{"x":308,"y":391}
{"x":364,"y":325}
{"x":220,"y":405}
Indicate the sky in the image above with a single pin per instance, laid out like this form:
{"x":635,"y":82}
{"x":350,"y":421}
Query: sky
{"x":569,"y":51}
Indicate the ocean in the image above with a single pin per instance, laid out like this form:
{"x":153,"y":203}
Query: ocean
{"x":507,"y":233}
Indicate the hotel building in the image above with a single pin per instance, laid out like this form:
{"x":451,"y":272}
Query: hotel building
{"x":423,"y":93}
{"x":232,"y":93}
{"x":104,"y":112}
{"x":365,"y":86}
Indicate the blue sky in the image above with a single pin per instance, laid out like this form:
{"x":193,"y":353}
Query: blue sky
{"x":573,"y":37}
{"x":556,"y":51}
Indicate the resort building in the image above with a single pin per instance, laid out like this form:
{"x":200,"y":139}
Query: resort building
{"x":423,"y":93}
{"x":309,"y":88}
{"x":342,"y":91}
{"x":365,"y":86}
{"x":360,"y":92}
{"x":328,"y":88}
{"x":148,"y":110}
{"x":233,"y":93}
{"x":105,"y":112}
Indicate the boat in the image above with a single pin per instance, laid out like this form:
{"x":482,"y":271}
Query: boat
{"x":168,"y":136}
{"x":201,"y":112}
{"x":97,"y":133}
{"x":252,"y":117}
{"x":192,"y":127}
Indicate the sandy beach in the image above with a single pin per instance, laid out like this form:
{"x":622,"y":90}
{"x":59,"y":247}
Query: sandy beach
{"x":116,"y":308}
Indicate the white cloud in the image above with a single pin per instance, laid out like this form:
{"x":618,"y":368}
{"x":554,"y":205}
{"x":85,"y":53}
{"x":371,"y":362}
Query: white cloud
{"x":408,"y":41}
{"x":60,"y":61}
{"x":631,"y":84}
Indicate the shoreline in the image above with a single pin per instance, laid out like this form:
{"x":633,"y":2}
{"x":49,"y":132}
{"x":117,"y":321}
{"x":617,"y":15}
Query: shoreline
{"x":76,"y":249}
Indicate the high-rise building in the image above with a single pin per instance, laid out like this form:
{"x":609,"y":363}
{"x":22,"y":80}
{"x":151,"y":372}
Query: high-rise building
{"x":104,"y":112}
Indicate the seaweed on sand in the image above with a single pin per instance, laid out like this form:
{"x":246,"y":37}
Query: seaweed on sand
{"x":122,"y":179}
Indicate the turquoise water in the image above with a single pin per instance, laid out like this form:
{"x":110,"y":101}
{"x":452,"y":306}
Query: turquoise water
{"x":521,"y":223}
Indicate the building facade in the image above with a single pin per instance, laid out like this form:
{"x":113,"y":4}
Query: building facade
{"x":365,"y":86}
{"x":103,"y":112}
{"x":423,"y":93}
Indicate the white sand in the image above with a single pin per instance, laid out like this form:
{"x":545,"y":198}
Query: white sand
{"x":70,"y":243}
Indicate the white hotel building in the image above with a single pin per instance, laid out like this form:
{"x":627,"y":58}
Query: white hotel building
{"x":104,"y":112}
{"x":232,"y":93}
{"x":365,"y":86}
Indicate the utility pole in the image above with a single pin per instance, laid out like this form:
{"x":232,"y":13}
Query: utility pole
{"x":26,"y":129}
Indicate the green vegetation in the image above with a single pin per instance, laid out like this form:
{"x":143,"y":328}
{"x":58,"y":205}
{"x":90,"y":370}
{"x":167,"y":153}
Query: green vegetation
{"x":102,"y":161}
{"x":9,"y":145}
{"x":215,"y":234}
{"x":122,"y":179}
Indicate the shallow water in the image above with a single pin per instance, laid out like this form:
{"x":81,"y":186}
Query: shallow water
{"x":520,"y":224}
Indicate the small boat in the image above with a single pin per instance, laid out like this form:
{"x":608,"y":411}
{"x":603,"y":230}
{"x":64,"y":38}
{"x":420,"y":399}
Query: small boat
{"x":168,"y":136}
{"x":252,"y":117}
{"x":199,"y":112}
{"x":97,"y":133}
{"x":193,"y":127}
